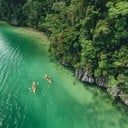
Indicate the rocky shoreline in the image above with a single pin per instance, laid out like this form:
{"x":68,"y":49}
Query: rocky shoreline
{"x":114,"y":91}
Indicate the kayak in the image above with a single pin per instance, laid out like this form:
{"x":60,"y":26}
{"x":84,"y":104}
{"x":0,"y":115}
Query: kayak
{"x":47,"y":78}
{"x":34,"y":87}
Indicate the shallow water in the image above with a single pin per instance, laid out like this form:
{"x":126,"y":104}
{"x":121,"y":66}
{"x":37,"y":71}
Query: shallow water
{"x":65,"y":103}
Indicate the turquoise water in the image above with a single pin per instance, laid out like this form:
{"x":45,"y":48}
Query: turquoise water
{"x":65,"y":103}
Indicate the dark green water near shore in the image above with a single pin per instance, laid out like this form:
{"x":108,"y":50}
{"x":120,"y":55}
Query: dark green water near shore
{"x":65,"y":103}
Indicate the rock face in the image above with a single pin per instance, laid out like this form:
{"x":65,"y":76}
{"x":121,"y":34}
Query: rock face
{"x":87,"y":78}
{"x":117,"y":92}
{"x":84,"y":76}
{"x":64,"y":63}
{"x":101,"y":81}
{"x":124,"y":98}
{"x":79,"y":73}
{"x":114,"y":91}
{"x":14,"y":22}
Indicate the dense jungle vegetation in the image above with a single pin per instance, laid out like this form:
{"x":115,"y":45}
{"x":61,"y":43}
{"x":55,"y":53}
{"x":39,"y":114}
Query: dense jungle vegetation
{"x":87,"y":34}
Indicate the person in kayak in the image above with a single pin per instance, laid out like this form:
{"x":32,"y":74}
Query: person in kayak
{"x":34,"y":87}
{"x":48,"y":78}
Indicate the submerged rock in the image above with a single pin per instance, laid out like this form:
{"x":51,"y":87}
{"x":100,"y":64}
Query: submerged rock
{"x":64,"y":63}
